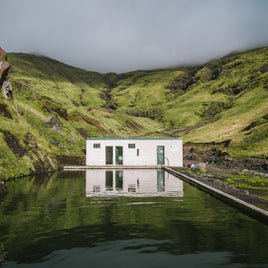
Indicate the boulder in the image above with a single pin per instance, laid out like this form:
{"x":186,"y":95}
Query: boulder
{"x":202,"y":166}
{"x":70,"y":139}
{"x":4,"y":66}
{"x":7,"y":90}
{"x":53,"y":123}
{"x":54,"y":141}
{"x":4,"y":82}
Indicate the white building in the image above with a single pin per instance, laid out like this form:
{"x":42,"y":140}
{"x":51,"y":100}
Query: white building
{"x":132,"y":183}
{"x":144,"y":152}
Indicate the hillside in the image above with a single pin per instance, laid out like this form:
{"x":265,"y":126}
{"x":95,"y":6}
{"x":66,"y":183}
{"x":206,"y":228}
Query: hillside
{"x":219,"y":106}
{"x":224,"y":102}
{"x":54,"y":108}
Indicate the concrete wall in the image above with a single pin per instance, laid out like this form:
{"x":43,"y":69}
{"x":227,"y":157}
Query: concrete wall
{"x":147,"y":151}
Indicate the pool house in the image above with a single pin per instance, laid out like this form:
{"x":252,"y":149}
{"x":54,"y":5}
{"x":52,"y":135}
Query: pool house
{"x":143,"y":152}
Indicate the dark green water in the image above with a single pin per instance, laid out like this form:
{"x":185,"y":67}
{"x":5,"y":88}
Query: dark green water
{"x":74,"y":219}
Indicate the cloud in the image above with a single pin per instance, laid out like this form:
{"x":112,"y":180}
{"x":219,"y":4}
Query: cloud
{"x":125,"y":35}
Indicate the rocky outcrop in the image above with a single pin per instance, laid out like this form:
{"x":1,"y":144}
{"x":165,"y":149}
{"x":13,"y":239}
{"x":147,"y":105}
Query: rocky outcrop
{"x":4,"y":82}
{"x":201,"y":166}
{"x":71,"y":139}
{"x":4,"y":68}
{"x":221,"y":160}
{"x":53,"y":123}
{"x":13,"y":143}
{"x":7,"y":90}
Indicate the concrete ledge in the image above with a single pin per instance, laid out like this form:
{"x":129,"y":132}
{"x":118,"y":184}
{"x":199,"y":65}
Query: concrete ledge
{"x":111,"y":167}
{"x":248,"y":209}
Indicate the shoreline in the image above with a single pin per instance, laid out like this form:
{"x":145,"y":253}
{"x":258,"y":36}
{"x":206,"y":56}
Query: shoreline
{"x":226,"y":195}
{"x":212,"y":179}
{"x":224,"y":161}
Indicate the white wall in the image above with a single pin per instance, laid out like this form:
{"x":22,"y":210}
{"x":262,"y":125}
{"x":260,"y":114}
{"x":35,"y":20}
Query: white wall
{"x":147,"y":151}
{"x":144,"y":181}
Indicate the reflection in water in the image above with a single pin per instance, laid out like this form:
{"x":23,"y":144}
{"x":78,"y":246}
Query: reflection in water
{"x":130,"y":182}
{"x":49,"y":222}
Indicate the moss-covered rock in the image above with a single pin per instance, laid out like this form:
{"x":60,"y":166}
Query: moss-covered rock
{"x":53,"y":123}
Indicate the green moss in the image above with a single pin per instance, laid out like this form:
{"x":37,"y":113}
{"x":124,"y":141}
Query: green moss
{"x":246,"y":181}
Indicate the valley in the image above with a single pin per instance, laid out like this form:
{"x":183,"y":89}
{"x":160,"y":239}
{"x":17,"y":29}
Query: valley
{"x":220,"y":108}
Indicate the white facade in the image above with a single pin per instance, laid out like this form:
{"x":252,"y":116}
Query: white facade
{"x":132,"y":182}
{"x":134,"y":152}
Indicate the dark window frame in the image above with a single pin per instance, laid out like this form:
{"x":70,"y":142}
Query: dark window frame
{"x":131,"y":146}
{"x":96,"y":145}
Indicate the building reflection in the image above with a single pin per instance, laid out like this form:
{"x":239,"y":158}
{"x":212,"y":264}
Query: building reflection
{"x":132,"y":182}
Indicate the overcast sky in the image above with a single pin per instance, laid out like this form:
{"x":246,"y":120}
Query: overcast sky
{"x":125,"y":35}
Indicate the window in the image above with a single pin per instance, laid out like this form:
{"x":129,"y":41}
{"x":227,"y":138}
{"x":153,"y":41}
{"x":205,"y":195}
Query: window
{"x":96,"y":145}
{"x":131,"y":146}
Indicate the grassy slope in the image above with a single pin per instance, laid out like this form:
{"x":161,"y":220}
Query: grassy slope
{"x":224,"y":100}
{"x":42,"y":87}
{"x":243,"y":88}
{"x":219,"y":101}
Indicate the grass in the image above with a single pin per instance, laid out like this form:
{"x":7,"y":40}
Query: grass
{"x":248,"y":182}
{"x":222,"y":100}
{"x":42,"y":87}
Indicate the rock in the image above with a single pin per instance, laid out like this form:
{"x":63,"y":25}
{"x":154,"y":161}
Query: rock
{"x":4,"y":111}
{"x":202,"y":166}
{"x":53,"y":123}
{"x":54,"y":141}
{"x":4,"y":82}
{"x":91,"y":121}
{"x":82,"y":132}
{"x":3,"y":54}
{"x":14,"y":143}
{"x":7,"y":90}
{"x":71,"y":140}
{"x":20,"y":112}
{"x":4,"y":66}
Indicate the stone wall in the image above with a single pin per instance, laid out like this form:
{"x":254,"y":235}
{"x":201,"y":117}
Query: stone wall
{"x":69,"y":160}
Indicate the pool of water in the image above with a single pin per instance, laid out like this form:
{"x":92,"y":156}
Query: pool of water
{"x":124,"y":218}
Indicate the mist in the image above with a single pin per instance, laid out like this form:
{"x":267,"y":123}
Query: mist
{"x":126,"y":35}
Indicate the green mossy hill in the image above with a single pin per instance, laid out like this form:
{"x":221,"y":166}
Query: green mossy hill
{"x":57,"y":106}
{"x":221,"y":102}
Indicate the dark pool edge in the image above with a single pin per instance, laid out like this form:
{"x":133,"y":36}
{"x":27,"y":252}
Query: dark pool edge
{"x":248,"y":209}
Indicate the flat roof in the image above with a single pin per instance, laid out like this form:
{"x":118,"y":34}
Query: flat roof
{"x":136,"y":138}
